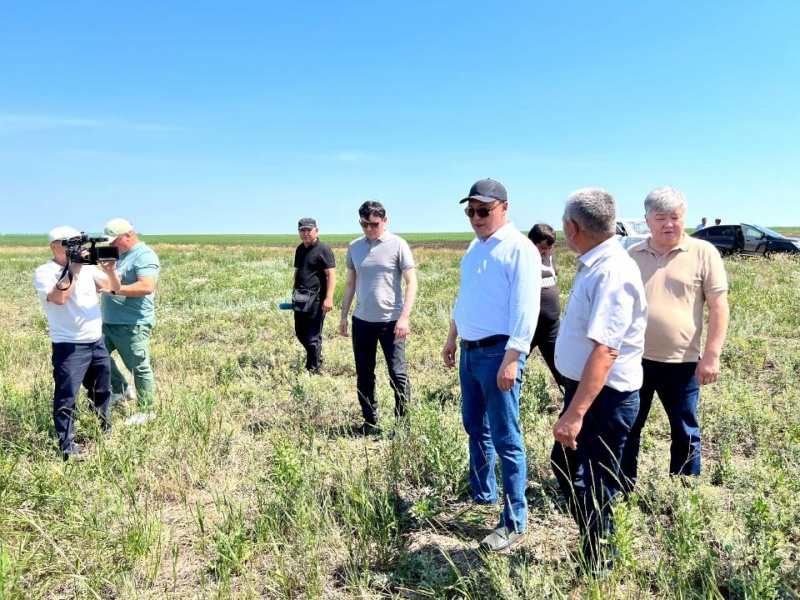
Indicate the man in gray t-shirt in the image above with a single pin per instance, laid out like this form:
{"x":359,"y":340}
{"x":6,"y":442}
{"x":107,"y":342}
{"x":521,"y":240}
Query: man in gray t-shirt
{"x":376,"y":265}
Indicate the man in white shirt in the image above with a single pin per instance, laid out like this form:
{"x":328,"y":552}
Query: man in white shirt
{"x":495,"y":316}
{"x":599,"y":353}
{"x":68,"y":292}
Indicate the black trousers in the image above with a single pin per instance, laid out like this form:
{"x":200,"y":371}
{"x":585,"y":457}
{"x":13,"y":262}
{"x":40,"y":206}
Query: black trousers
{"x":366,"y":337}
{"x":73,"y":365}
{"x":545,"y":340}
{"x":308,"y":329}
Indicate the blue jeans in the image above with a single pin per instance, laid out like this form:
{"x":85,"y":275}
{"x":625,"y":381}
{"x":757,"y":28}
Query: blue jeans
{"x":491,"y":419}
{"x":75,"y":365}
{"x":679,"y":391}
{"x":589,"y":477}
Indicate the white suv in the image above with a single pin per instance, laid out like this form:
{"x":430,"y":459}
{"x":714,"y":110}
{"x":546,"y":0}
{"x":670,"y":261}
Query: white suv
{"x":632,"y":231}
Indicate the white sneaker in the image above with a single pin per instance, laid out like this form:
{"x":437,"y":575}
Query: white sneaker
{"x":123,"y":396}
{"x":140,"y":418}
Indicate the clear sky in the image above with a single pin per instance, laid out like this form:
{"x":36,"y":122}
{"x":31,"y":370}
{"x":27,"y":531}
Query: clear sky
{"x":241,"y":117}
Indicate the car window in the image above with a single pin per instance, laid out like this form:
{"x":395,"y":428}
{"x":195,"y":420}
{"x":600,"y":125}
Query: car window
{"x":641,"y":227}
{"x":725,"y":231}
{"x":700,"y":234}
{"x":620,"y":230}
{"x":752,"y":232}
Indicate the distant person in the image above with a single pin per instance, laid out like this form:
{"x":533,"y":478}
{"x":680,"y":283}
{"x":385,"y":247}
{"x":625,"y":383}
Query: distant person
{"x":543,"y":237}
{"x":718,"y":221}
{"x":129,"y":316}
{"x":69,"y":297}
{"x":314,"y":284}
{"x":703,"y":223}
{"x":599,"y":352}
{"x":681,"y":274}
{"x":378,"y":263}
{"x":495,"y":316}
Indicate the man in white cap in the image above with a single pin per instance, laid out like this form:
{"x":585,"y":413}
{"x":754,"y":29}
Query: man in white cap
{"x":68,"y":292}
{"x":129,"y":316}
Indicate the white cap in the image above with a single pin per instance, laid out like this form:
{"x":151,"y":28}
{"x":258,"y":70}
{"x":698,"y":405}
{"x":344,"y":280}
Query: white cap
{"x":116,"y":227}
{"x":65,"y":232}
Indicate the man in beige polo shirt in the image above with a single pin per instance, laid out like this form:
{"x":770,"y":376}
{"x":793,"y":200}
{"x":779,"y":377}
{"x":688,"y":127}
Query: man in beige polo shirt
{"x":681,"y":274}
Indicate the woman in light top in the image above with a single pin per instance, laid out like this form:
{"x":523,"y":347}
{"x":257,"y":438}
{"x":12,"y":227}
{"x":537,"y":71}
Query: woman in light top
{"x":543,"y":237}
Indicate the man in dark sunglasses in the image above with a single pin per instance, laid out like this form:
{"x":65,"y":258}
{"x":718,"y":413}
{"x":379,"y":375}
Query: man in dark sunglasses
{"x":377,"y":265}
{"x":495,"y":315}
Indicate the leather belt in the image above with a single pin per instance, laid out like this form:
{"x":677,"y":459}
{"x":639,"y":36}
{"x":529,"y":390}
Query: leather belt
{"x":492,"y":340}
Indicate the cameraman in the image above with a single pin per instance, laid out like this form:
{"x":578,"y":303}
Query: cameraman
{"x":68,"y":292}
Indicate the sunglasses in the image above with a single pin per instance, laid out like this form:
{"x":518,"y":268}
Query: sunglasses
{"x":481,"y":212}
{"x":369,"y":224}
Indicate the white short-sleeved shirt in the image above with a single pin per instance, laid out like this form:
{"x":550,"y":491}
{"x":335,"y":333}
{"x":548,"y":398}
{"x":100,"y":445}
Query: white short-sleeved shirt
{"x":78,"y":320}
{"x":608,"y":306}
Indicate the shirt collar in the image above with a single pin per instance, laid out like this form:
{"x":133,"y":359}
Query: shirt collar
{"x":502,"y":233}
{"x":683,"y":246}
{"x":602,"y":250}
{"x":381,"y":238}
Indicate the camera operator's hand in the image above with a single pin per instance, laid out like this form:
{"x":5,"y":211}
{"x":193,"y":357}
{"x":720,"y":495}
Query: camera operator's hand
{"x":109,"y":266}
{"x":112,"y":283}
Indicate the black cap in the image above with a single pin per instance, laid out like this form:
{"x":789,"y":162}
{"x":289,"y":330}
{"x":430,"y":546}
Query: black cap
{"x":487,"y":190}
{"x":306,"y":223}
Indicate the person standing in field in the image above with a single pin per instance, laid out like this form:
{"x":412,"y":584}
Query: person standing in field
{"x":681,"y":274}
{"x":129,"y":316}
{"x":68,"y":293}
{"x":314,"y":284}
{"x":703,"y":224}
{"x":495,"y":316}
{"x":543,"y":237}
{"x":599,"y":353}
{"x":378,"y":263}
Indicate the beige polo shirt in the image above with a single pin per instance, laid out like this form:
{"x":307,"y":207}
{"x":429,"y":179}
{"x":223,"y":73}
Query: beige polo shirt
{"x":676,"y":285}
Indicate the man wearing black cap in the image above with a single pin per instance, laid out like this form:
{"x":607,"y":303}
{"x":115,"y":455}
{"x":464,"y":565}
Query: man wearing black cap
{"x":495,"y":315}
{"x":314,"y":284}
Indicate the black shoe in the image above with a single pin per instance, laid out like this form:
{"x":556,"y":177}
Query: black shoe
{"x":366,"y":429}
{"x":73,"y":454}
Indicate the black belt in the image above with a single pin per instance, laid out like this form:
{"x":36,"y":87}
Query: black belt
{"x":570,"y":383}
{"x":492,"y":340}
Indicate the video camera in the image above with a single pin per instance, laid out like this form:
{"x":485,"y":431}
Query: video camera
{"x":76,"y":246}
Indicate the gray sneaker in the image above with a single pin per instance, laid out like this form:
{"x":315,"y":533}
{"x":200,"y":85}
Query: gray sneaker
{"x":140,"y":418}
{"x":500,"y":539}
{"x":122,"y":396}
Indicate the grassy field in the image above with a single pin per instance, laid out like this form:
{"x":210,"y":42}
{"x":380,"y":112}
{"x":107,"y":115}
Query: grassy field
{"x":267,"y":239}
{"x":250,"y":485}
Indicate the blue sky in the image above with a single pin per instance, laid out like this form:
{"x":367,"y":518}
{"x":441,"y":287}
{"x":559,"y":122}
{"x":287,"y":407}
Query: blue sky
{"x":241,"y":117}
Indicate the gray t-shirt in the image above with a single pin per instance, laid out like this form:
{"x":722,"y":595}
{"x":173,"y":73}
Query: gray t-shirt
{"x":379,"y":267}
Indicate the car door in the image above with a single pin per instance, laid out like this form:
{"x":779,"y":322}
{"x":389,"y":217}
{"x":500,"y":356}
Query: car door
{"x":755,"y":241}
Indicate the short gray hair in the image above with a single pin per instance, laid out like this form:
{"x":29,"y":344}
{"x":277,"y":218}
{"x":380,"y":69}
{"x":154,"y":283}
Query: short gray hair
{"x":664,"y":200}
{"x":593,"y":209}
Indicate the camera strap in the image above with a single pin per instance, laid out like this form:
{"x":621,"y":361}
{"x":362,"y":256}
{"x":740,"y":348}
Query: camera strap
{"x":65,"y":274}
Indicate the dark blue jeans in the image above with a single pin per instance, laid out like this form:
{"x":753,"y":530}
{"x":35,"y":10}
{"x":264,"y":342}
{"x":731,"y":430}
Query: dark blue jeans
{"x":73,"y":365}
{"x":677,"y":387}
{"x":491,"y":419}
{"x":589,"y":477}
{"x":366,"y":337}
